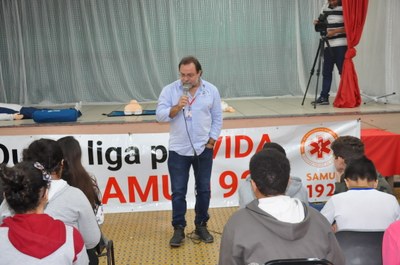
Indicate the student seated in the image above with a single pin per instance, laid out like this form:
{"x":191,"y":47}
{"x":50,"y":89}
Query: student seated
{"x":275,"y":226}
{"x":65,"y":203}
{"x":76,"y":175}
{"x":361,"y":207}
{"x":295,"y":187}
{"x":31,"y":236}
{"x":346,"y":148}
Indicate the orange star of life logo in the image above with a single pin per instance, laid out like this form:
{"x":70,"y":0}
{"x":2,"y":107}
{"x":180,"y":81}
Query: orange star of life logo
{"x":315,"y":147}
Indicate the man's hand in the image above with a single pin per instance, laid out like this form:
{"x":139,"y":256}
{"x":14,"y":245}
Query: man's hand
{"x":333,"y":32}
{"x":18,"y":116}
{"x":210,"y":143}
{"x":183,"y":101}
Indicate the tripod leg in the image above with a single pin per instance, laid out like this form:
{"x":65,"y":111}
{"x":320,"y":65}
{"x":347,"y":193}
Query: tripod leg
{"x":311,"y":73}
{"x":385,"y":97}
{"x":376,"y":99}
{"x":321,"y":55}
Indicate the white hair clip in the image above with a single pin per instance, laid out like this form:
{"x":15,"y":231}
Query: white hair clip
{"x":46,"y":175}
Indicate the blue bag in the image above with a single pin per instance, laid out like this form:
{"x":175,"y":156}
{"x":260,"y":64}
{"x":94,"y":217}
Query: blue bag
{"x":55,"y":115}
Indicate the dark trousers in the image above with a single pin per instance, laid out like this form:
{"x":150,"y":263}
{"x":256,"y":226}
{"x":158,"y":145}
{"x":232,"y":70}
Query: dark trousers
{"x":179,"y":167}
{"x":28,"y":112}
{"x":329,"y":62}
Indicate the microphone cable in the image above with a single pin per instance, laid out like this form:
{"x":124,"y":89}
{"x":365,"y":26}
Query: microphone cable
{"x":186,"y":88}
{"x":188,"y":134}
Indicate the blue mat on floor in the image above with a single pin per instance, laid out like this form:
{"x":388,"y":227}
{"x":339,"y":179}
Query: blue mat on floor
{"x":118,"y":113}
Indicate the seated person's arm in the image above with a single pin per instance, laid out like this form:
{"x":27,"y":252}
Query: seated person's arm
{"x":10,"y":117}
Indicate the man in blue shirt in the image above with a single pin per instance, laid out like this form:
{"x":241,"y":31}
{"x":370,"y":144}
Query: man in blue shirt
{"x":192,"y":106}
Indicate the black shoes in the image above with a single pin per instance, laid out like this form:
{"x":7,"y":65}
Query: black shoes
{"x":203,"y":234}
{"x":200,"y":233}
{"x":321,"y":101}
{"x":178,"y":237}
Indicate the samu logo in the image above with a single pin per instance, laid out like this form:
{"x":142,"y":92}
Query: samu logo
{"x":315,"y":147}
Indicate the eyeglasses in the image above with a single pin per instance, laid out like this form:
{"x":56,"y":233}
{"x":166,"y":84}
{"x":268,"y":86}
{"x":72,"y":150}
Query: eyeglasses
{"x":186,"y":75}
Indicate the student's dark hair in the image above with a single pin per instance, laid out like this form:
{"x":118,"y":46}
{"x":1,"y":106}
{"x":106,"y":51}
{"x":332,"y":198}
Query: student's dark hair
{"x":360,"y":168}
{"x":74,"y":172}
{"x":275,"y":146}
{"x":45,"y":151}
{"x":270,"y":170}
{"x":24,"y":186}
{"x":339,"y":3}
{"x":189,"y":60}
{"x":348,"y":147}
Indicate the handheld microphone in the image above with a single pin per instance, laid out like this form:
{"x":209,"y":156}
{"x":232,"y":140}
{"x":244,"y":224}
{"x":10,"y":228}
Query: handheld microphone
{"x":186,"y":88}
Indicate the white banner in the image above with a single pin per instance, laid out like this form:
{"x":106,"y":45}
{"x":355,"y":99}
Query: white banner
{"x":132,"y":172}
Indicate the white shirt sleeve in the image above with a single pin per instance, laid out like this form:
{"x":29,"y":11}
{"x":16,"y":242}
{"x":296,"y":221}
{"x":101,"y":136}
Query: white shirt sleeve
{"x":329,"y":211}
{"x":6,"y":117}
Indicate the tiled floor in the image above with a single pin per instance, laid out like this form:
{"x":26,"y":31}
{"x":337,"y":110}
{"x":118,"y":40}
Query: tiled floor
{"x":143,"y":238}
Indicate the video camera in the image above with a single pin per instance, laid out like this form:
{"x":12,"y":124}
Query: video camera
{"x":322,"y":24}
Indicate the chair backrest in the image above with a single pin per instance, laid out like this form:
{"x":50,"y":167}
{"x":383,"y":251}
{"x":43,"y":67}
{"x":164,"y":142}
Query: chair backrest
{"x":308,"y":261}
{"x":361,"y":247}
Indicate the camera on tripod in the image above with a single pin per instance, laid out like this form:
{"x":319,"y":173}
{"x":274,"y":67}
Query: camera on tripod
{"x":322,"y":24}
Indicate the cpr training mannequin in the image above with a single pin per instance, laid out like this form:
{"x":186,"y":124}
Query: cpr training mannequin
{"x":9,"y":112}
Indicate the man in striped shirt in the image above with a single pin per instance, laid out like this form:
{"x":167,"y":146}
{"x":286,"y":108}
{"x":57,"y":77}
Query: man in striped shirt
{"x":336,"y":36}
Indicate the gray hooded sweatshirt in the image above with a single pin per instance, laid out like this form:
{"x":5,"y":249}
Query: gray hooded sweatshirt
{"x":252,"y":236}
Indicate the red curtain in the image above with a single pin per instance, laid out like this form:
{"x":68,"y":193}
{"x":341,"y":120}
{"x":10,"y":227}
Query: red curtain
{"x":354,"y":14}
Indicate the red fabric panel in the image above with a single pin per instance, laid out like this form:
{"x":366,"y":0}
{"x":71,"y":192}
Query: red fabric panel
{"x":354,"y":14}
{"x":79,"y":244}
{"x":383,"y":148}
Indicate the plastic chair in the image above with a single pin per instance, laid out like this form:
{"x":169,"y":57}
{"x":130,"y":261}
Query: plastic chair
{"x":106,"y":250}
{"x":361,"y":247}
{"x":306,"y":261}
